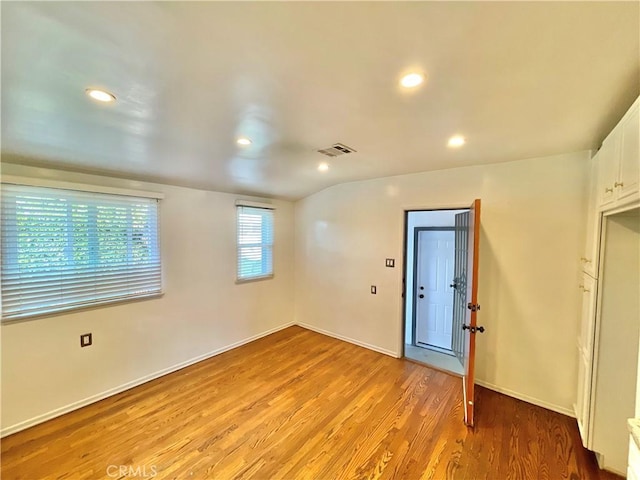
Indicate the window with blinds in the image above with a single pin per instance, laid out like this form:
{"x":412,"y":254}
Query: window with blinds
{"x":66,"y":249}
{"x":255,"y":243}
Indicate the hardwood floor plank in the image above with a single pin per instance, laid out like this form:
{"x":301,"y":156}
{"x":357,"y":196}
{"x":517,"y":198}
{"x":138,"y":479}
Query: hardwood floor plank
{"x":300,"y":405}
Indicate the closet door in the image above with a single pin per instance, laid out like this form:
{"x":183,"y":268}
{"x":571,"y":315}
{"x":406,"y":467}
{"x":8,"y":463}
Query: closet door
{"x":588,"y":288}
{"x":589,"y":259}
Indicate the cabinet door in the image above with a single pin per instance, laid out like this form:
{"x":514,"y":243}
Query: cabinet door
{"x":589,"y":258}
{"x":608,"y":168}
{"x":588,"y":288}
{"x":584,"y":397}
{"x":633,"y":472}
{"x":628,"y":181}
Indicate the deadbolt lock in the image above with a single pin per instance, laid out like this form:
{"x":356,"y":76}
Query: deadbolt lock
{"x":474,"y":307}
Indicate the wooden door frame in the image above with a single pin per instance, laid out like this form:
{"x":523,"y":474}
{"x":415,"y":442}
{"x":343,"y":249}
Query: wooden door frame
{"x":416,"y":233}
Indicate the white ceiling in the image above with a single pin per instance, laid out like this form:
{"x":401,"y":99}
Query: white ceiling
{"x":518,"y":80}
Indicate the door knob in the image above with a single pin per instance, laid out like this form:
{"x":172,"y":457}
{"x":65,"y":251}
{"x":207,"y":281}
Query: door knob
{"x":421,"y":296}
{"x":472,"y":329}
{"x":454,"y":285}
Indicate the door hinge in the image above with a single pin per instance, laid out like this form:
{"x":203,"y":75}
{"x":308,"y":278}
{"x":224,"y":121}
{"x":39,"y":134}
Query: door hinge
{"x":474,"y":307}
{"x":473,"y":329}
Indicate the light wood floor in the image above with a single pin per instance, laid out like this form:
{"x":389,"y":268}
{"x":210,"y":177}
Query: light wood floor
{"x":299,"y":405}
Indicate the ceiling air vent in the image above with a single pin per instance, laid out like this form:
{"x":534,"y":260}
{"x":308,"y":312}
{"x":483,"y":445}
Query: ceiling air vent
{"x":336,"y":149}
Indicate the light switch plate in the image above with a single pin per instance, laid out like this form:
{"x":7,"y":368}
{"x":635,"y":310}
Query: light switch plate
{"x":373,"y":289}
{"x":390,"y":262}
{"x":86,"y":339}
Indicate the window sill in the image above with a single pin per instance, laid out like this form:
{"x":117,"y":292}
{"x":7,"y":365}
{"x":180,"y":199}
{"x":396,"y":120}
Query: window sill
{"x":253,"y":279}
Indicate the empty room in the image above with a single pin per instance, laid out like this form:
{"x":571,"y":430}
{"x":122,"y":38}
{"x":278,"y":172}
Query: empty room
{"x":320,"y":240}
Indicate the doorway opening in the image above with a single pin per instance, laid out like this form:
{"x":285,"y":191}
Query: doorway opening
{"x":433,"y":286}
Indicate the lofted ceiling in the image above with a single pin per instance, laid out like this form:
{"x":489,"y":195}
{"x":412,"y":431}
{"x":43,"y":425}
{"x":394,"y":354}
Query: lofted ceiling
{"x":517,"y":79}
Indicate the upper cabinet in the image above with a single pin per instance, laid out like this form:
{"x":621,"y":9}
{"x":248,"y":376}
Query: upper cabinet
{"x":608,"y":162}
{"x":618,"y":163}
{"x":628,"y":178}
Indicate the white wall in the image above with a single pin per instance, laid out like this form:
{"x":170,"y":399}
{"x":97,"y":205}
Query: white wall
{"x":434,"y":218}
{"x":531,"y":240}
{"x":44,"y":370}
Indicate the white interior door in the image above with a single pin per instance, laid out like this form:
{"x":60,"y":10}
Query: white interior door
{"x":433,"y":291}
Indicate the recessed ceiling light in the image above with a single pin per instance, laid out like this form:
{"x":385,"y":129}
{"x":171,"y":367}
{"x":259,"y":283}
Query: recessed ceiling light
{"x":412,"y":80}
{"x":456,"y":141}
{"x":100,"y":95}
{"x":243,"y":141}
{"x":323,"y":167}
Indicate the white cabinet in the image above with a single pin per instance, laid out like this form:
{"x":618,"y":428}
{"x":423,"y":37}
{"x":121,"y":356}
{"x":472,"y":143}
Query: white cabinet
{"x":629,"y":175}
{"x":618,"y":177}
{"x":585,"y":353}
{"x":588,"y":288}
{"x":608,"y":157}
{"x":584,"y":395}
{"x":589,"y":259}
{"x":614,"y":186}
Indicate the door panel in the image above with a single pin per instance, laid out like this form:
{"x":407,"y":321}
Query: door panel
{"x":434,"y":271}
{"x":584,"y":393}
{"x":588,"y":288}
{"x":459,"y":284}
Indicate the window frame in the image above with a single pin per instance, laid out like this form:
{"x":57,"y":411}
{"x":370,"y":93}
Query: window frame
{"x":98,"y":189}
{"x":262,"y":206}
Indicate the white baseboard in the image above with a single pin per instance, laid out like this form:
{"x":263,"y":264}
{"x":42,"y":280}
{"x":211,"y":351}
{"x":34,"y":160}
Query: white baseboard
{"x":349,"y":339}
{"x":134,"y":383}
{"x":526,"y":398}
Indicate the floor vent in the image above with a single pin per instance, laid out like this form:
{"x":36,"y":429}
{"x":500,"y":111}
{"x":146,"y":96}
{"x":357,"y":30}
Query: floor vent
{"x":336,"y":149}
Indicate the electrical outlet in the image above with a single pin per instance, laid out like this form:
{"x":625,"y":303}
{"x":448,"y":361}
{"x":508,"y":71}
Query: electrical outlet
{"x":390,"y":262}
{"x":373,"y":289}
{"x":86,"y":339}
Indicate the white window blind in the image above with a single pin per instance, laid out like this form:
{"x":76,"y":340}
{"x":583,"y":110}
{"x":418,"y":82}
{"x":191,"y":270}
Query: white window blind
{"x":65,"y":249}
{"x":255,"y":242}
